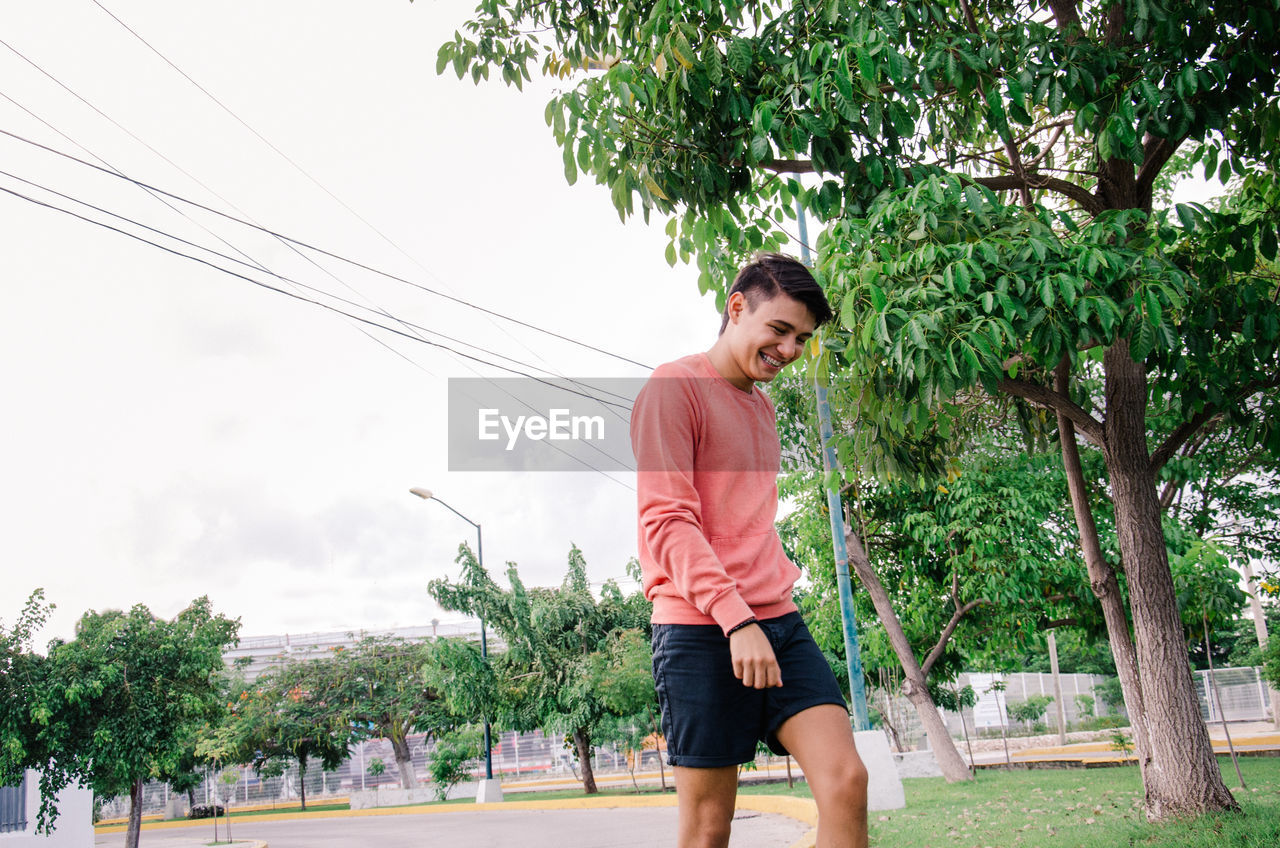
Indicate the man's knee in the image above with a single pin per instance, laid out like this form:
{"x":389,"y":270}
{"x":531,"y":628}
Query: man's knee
{"x":846,"y":786}
{"x":706,"y":822}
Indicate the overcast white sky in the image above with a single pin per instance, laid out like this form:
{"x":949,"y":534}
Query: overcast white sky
{"x":170,"y":431}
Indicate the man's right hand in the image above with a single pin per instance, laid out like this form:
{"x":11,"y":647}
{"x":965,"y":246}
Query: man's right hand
{"x":753,"y":660}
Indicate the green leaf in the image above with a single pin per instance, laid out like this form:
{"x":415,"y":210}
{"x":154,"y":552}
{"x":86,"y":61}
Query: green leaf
{"x":760,"y":150}
{"x":1267,"y":241}
{"x":875,"y":171}
{"x":570,"y":165}
{"x":878,"y":298}
{"x":973,"y":198}
{"x":866,"y":68}
{"x":740,"y":56}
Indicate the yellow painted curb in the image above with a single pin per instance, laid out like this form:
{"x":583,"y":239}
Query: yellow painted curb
{"x":800,"y":809}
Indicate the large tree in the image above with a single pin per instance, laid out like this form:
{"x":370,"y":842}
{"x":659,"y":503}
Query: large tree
{"x":985,"y":174}
{"x":290,"y":714}
{"x":380,"y":685}
{"x":117,"y":705}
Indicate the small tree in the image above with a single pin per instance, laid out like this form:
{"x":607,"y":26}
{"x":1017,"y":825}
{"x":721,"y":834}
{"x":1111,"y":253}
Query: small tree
{"x":230,"y":779}
{"x":553,"y":637}
{"x":957,"y":700}
{"x":455,"y":754}
{"x":1110,"y":694}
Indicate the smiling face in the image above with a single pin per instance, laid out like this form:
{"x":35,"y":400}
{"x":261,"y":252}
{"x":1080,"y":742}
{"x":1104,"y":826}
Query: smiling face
{"x":760,"y":339}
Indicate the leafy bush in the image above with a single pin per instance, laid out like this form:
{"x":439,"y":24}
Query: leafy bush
{"x":1105,"y":722}
{"x":1032,"y":709}
{"x":206,"y":811}
{"x":1110,"y":693}
{"x":1084,"y":705}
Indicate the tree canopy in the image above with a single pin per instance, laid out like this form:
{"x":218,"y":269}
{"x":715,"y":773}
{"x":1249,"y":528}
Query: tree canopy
{"x":988,"y":179}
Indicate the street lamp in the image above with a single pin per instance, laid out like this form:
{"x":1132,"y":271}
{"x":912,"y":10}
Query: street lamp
{"x":490,"y":790}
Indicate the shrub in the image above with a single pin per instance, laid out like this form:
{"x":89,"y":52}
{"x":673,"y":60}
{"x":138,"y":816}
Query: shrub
{"x":453,"y":757}
{"x":1032,"y":709}
{"x":206,"y":811}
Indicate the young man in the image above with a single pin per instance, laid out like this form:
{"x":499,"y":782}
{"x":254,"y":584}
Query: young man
{"x":733,"y":661}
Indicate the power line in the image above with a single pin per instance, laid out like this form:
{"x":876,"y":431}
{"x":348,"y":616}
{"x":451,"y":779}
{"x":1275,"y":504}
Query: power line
{"x":293,"y":245}
{"x":115,"y":172}
{"x":323,"y":188}
{"x":320,"y":250}
{"x":109,"y":169}
{"x":215,"y":266}
{"x":280,"y":277}
{"x":287,"y":293}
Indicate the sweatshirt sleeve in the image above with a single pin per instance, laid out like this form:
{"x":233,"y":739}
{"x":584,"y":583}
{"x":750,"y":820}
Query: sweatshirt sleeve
{"x":664,"y":436}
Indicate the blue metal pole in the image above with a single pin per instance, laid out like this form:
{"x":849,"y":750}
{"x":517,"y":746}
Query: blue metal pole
{"x":844,"y":585}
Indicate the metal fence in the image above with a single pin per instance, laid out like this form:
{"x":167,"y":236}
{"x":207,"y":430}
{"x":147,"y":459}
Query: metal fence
{"x":515,"y":755}
{"x":1243,"y":693}
{"x":13,"y":807}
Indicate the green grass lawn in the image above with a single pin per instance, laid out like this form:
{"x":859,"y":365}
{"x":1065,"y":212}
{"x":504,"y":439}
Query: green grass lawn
{"x":1074,"y":808}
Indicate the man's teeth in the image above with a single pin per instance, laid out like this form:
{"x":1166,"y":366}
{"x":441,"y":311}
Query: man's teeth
{"x":776,"y":363}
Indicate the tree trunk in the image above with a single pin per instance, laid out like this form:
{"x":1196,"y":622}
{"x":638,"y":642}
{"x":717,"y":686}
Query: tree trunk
{"x":135,"y":815}
{"x":582,"y":741}
{"x":914,"y":685}
{"x":404,"y":759}
{"x":1183,"y":777}
{"x":1102,"y":580}
{"x":302,"y":780}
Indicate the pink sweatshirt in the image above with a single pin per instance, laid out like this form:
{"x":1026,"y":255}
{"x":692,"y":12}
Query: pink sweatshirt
{"x":707,"y":456}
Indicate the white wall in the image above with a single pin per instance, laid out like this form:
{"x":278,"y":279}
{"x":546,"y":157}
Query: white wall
{"x":73,"y":828}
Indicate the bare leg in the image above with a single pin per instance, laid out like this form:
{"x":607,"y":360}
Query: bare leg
{"x":821,"y":740}
{"x":706,"y":797}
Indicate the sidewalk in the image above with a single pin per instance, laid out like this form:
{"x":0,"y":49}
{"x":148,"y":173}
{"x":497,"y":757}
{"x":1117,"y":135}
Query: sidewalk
{"x":1248,"y":738}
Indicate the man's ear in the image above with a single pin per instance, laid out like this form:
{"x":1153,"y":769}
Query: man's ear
{"x":735,"y":306}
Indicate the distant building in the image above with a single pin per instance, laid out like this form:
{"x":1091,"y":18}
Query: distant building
{"x":256,"y":654}
{"x":20,"y":806}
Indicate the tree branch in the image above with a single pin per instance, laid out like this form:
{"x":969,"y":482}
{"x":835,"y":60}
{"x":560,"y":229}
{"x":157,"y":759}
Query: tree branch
{"x":1188,"y":429}
{"x":945,"y":635}
{"x":1178,"y":437}
{"x":1155,"y":153}
{"x":789,"y":166}
{"x":1079,"y":194}
{"x":1090,"y":427}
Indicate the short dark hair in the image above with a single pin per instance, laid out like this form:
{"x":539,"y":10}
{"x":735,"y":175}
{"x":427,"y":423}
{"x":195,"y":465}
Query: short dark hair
{"x":770,"y":274}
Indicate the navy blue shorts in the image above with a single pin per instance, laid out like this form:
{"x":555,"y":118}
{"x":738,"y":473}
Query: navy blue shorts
{"x":708,"y":717}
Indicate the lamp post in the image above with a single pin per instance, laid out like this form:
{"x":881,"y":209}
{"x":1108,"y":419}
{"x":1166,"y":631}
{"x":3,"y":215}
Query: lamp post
{"x":490,"y":789}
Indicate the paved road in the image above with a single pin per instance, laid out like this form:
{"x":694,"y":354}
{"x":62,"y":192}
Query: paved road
{"x":653,"y":827}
